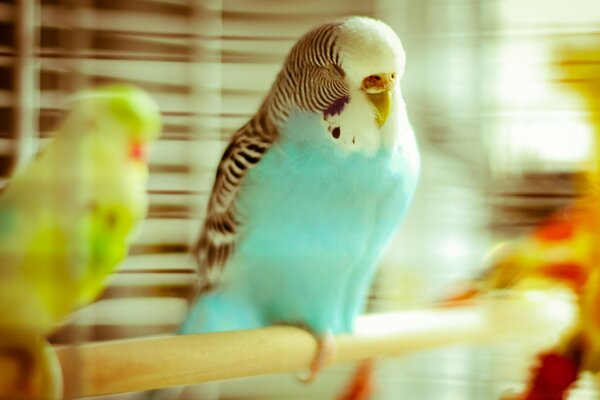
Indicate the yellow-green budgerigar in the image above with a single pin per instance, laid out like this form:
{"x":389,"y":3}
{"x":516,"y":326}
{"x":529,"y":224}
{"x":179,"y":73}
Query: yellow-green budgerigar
{"x":67,"y":217}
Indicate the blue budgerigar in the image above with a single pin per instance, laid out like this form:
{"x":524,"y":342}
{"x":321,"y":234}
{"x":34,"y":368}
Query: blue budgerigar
{"x":310,"y":190}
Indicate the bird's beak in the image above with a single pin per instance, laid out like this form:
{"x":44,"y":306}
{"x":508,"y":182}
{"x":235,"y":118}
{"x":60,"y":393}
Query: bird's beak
{"x":378,"y":89}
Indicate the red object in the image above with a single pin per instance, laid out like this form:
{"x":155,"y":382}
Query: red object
{"x":361,"y":386}
{"x":137,"y":151}
{"x":554,"y":230}
{"x":553,"y":377}
{"x":571,"y":273}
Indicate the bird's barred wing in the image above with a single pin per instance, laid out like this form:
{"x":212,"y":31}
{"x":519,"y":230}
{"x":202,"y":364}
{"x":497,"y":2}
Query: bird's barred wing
{"x":217,"y":238}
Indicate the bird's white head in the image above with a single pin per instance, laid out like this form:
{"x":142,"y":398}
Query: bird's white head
{"x":372,"y":59}
{"x":346,"y":71}
{"x":120,"y":114}
{"x":369,"y":49}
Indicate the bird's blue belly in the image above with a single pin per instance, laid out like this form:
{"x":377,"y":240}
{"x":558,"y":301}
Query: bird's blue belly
{"x":313,"y":222}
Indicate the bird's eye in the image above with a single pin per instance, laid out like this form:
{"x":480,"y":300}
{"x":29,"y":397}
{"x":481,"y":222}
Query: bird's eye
{"x":336,"y":71}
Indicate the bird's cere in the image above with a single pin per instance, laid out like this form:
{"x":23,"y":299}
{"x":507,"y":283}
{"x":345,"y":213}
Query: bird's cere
{"x":379,"y":83}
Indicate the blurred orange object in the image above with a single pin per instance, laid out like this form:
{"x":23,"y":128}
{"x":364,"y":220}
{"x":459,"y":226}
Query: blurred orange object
{"x":563,"y":251}
{"x":361,"y":384}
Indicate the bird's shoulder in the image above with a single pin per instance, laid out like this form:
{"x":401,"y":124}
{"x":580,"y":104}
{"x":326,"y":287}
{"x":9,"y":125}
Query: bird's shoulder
{"x":216,"y":241}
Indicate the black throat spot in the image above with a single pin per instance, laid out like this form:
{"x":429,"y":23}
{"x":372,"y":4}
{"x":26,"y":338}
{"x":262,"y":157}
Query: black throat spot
{"x":336,"y":132}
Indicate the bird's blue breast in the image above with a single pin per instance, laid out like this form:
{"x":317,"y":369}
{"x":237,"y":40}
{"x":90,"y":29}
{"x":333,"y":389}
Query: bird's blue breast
{"x":313,"y":222}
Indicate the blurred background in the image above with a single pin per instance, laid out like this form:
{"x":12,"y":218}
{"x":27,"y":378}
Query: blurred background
{"x":503,"y":143}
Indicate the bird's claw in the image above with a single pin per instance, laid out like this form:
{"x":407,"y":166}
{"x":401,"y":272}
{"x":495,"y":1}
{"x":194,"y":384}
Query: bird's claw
{"x":325,"y":354}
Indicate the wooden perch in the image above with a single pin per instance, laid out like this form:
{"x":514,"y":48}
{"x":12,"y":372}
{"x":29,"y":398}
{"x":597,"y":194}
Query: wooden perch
{"x":147,"y":363}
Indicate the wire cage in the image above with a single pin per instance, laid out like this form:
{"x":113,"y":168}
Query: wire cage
{"x":502,"y":144}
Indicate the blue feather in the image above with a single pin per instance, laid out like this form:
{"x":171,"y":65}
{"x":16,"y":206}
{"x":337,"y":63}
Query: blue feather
{"x":314,"y":222}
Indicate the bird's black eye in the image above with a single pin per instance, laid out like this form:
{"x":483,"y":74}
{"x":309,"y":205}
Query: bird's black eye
{"x":336,"y":70}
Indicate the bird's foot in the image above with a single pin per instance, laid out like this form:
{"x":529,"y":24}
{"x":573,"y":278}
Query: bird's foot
{"x":361,"y":385}
{"x":326,"y":352}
